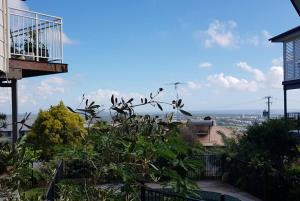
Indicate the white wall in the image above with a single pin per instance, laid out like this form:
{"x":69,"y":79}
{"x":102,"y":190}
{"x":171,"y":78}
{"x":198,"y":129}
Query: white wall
{"x":3,"y":36}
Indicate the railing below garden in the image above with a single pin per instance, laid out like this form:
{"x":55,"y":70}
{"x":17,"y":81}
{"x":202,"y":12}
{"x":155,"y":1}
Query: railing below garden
{"x":294,"y":115}
{"x":35,"y":36}
{"x":58,"y":175}
{"x":212,"y":167}
{"x":148,"y":194}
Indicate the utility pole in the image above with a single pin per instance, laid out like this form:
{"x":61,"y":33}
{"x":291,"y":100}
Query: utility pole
{"x":268,"y":98}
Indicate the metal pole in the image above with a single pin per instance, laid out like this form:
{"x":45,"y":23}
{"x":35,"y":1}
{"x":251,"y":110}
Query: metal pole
{"x":61,"y":43}
{"x":285,"y":103}
{"x":269,"y":105}
{"x":14,"y":98}
{"x":37,"y":37}
{"x":143,"y":193}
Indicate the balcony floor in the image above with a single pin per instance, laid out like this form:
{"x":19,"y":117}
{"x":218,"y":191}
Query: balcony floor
{"x":19,"y":69}
{"x":291,"y":84}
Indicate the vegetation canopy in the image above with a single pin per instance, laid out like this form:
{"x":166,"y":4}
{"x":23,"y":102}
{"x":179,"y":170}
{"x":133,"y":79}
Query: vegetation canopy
{"x":134,"y":148}
{"x":260,"y":160}
{"x":56,"y":126}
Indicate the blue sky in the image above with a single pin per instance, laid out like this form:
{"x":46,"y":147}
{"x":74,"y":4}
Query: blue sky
{"x":220,"y":49}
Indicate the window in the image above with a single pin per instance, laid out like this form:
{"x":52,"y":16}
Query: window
{"x":292,"y":60}
{"x":289,"y":61}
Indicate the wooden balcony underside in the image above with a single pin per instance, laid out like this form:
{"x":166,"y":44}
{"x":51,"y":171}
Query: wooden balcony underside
{"x":19,"y":69}
{"x":292,"y":84}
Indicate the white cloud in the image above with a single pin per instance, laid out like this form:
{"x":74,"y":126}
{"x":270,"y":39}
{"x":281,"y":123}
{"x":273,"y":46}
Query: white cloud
{"x":67,"y":40}
{"x":258,"y":74}
{"x":276,"y":76}
{"x":18,"y":4}
{"x":277,"y":62}
{"x":34,"y":94}
{"x":220,"y":34}
{"x":225,"y":34}
{"x":205,"y":65}
{"x":194,"y":85}
{"x":261,"y":39}
{"x":25,"y":95}
{"x":51,"y":86}
{"x":4,"y":96}
{"x":272,"y":79}
{"x":230,"y":82}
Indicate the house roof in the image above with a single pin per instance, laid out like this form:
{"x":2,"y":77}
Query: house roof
{"x":202,"y":122}
{"x":296,"y":4}
{"x":214,"y":138}
{"x":286,"y":36}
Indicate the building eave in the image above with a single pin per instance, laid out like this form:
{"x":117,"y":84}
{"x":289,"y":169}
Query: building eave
{"x":287,"y":36}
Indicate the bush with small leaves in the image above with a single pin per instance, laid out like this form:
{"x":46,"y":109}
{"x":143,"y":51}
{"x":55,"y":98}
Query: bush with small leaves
{"x":56,"y":126}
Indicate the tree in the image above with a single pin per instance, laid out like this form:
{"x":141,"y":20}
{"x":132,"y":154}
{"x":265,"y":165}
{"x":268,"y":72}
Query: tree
{"x":2,"y":151}
{"x":269,"y":142}
{"x":134,"y":149}
{"x":259,"y":158}
{"x":56,"y":126}
{"x":2,"y":122}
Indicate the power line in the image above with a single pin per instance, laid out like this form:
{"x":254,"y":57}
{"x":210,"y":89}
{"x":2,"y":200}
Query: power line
{"x":239,"y":103}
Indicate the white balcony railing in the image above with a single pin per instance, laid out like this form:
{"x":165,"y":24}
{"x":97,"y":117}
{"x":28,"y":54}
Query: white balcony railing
{"x":35,"y":36}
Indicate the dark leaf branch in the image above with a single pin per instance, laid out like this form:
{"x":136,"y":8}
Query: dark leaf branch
{"x":123,"y":107}
{"x":90,"y":111}
{"x":22,"y":123}
{"x":127,"y":108}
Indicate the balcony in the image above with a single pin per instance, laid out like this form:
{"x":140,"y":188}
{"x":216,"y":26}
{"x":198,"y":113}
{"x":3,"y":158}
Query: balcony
{"x":35,"y":36}
{"x":35,"y":44}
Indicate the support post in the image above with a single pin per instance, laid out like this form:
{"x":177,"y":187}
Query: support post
{"x":14,"y":98}
{"x":285,"y":103}
{"x":269,"y":105}
{"x":143,"y":193}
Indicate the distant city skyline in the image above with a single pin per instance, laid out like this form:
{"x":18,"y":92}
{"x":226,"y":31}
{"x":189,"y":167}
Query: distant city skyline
{"x":220,"y":50}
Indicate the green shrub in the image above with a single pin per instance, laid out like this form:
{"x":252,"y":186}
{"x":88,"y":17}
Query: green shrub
{"x":56,"y":126}
{"x":137,"y":148}
{"x":260,"y":157}
{"x":70,"y":191}
{"x":33,"y":194}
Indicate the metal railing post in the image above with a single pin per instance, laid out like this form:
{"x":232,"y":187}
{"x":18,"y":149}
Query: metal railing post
{"x":37,"y":36}
{"x":61,"y":42}
{"x":143,"y":193}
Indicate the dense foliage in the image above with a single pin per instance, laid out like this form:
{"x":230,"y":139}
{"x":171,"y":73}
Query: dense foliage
{"x":19,"y":175}
{"x":56,"y":126}
{"x":130,"y":150}
{"x":134,"y":149}
{"x":260,"y":159}
{"x":3,"y":123}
